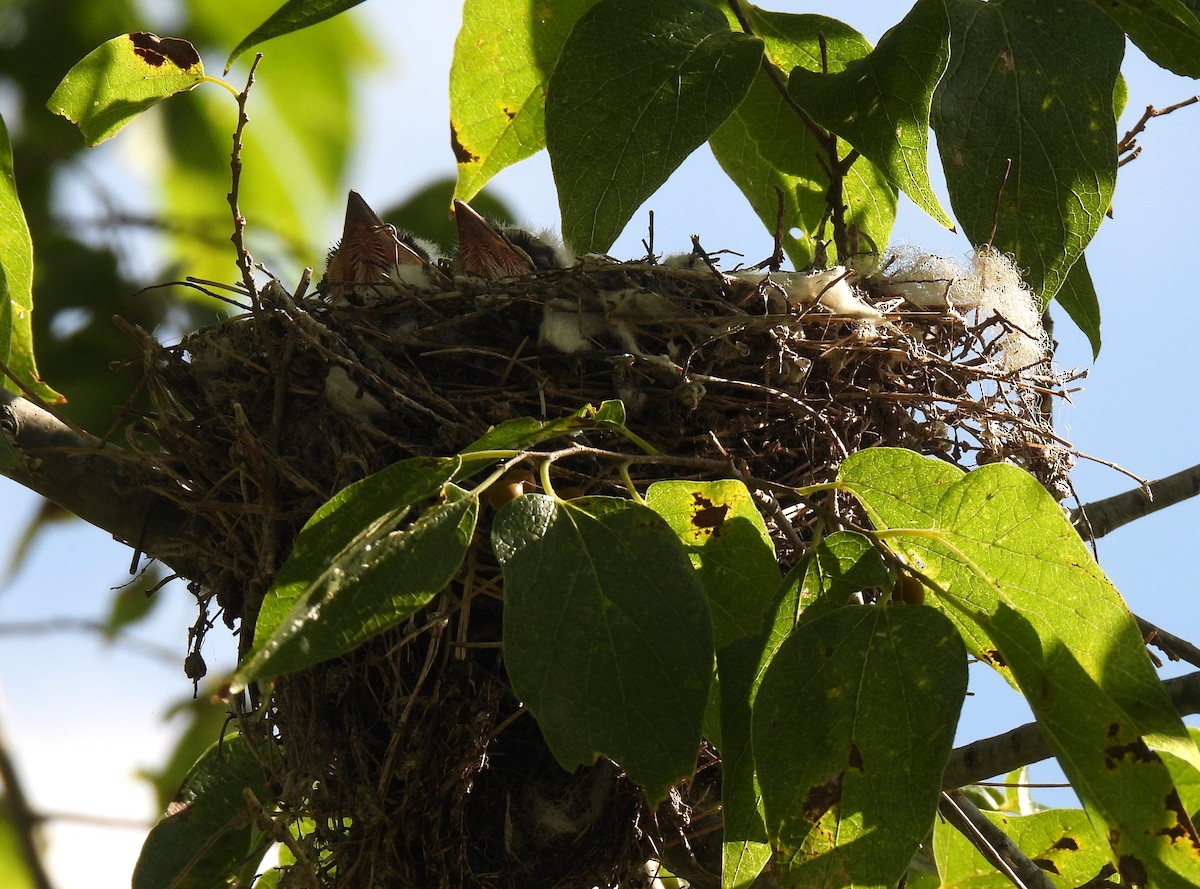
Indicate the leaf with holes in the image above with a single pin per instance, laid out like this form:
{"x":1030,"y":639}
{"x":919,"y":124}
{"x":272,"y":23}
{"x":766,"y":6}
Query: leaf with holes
{"x":1007,"y":566}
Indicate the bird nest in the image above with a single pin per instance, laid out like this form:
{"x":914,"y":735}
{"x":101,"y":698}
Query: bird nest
{"x":409,"y":762}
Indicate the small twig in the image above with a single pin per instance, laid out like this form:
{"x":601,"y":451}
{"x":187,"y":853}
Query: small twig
{"x":244,"y":261}
{"x":1112,"y":512}
{"x":1128,"y":145}
{"x":1172,"y":646}
{"x":996,"y":208}
{"x":993,"y":843}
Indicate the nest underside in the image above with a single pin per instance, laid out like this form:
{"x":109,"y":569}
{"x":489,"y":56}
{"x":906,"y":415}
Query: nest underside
{"x":410,"y":758}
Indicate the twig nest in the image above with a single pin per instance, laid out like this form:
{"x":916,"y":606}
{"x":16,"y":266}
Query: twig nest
{"x":411,"y":754}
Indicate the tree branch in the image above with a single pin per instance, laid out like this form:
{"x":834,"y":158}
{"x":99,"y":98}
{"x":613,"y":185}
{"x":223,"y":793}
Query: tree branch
{"x":992,"y":842}
{"x":1023,"y":745}
{"x":98,"y":482}
{"x":1111,"y":513}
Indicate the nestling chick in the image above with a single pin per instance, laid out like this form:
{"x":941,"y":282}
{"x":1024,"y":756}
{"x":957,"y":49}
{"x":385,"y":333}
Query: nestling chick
{"x":491,"y":251}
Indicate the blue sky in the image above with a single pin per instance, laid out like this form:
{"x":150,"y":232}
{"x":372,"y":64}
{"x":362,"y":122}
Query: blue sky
{"x":82,"y":716}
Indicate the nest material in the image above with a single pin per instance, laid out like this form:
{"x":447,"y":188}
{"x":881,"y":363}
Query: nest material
{"x":410,"y":757}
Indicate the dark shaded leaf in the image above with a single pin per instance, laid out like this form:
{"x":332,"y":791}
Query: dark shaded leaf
{"x":607,"y":637}
{"x":880,"y":103}
{"x":856,"y":716}
{"x":1031,"y":84}
{"x":291,"y":16}
{"x":639,"y":85}
{"x":1078,"y":299}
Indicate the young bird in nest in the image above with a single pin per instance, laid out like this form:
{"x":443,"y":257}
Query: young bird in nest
{"x":372,"y":253}
{"x":491,"y":251}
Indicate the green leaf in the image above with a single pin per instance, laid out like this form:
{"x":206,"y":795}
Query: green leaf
{"x":291,"y":16}
{"x":639,"y":85}
{"x":1167,"y":31}
{"x":840,"y":565}
{"x":1062,"y":842}
{"x":767,"y":150}
{"x":17,"y":874}
{"x":1005,"y":560}
{"x":726,"y":538}
{"x":352,"y":574}
{"x":856,"y":716}
{"x":526,"y":432}
{"x":607,"y":637}
{"x":16,"y":282}
{"x":1031,"y":84}
{"x":121,"y":78}
{"x":503,"y":57}
{"x":880,"y":103}
{"x":207,"y":834}
{"x":1078,"y":299}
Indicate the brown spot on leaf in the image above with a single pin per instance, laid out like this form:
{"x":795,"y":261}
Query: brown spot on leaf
{"x":1183,"y":827}
{"x":995,"y":657}
{"x":1132,"y":870}
{"x":157,"y":51}
{"x":509,"y":113}
{"x":856,"y":760}
{"x":179,"y":810}
{"x":1069,"y":844}
{"x":460,"y":152}
{"x":823,"y":797}
{"x":1135,"y":751}
{"x":1047,"y":865}
{"x":708,"y":516}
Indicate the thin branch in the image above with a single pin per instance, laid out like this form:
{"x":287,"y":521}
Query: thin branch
{"x":993,"y":843}
{"x":27,"y":628}
{"x":244,"y":261}
{"x":1175,"y":648}
{"x":1112,"y":512}
{"x":1128,"y":145}
{"x":98,"y":482}
{"x":1001,"y":754}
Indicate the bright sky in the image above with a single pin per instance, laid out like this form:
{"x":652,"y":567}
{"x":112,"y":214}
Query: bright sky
{"x":82,"y":716}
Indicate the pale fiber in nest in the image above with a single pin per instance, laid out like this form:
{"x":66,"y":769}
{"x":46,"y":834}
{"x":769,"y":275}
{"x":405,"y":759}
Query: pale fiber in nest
{"x":990,"y":284}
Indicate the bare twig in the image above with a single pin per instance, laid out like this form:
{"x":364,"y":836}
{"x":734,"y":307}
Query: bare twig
{"x":993,"y":843}
{"x":244,"y":261}
{"x":1127,"y":148}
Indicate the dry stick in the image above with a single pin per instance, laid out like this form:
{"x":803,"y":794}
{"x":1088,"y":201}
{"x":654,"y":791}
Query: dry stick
{"x":1112,"y":512}
{"x":993,"y":843}
{"x":244,"y":262}
{"x":1003,"y":753}
{"x":23,"y":819}
{"x":1128,"y":143}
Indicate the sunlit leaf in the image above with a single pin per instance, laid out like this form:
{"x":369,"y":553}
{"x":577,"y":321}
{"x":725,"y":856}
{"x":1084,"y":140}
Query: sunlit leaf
{"x":856,"y":716}
{"x":354,"y":572}
{"x":503,"y":57}
{"x":638,"y":87}
{"x":768,"y":151}
{"x":840,"y":565}
{"x":121,"y":78}
{"x":1025,"y":127}
{"x":16,"y":282}
{"x":525,"y":432}
{"x":207,"y":834}
{"x":291,"y":16}
{"x":880,"y":103}
{"x":1006,"y":561}
{"x":1062,"y":842}
{"x":726,"y":538}
{"x":607,"y":637}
